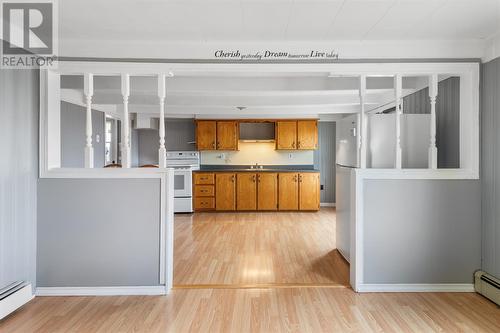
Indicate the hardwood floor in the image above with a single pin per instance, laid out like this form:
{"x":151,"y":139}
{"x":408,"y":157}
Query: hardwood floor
{"x":290,"y":252}
{"x":259,"y":310}
{"x":246,"y":249}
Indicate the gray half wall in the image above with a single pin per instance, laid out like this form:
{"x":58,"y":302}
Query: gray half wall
{"x":421,"y":231}
{"x":19,"y":104}
{"x":98,"y":232}
{"x":490,"y":166}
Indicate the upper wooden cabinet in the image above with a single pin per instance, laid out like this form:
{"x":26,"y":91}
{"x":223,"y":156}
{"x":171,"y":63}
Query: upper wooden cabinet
{"x":309,"y":191}
{"x":286,"y":134}
{"x":227,"y":135}
{"x":213,"y":135}
{"x":296,"y":134}
{"x":307,"y":134}
{"x":225,"y":191}
{"x":246,"y":191}
{"x":206,"y":134}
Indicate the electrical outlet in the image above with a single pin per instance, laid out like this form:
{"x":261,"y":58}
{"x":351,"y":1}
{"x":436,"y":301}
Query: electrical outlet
{"x":290,"y":156}
{"x":322,"y":187}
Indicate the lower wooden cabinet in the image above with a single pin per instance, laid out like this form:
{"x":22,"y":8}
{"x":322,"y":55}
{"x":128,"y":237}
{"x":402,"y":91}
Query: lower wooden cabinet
{"x":288,"y":196}
{"x":204,"y":203}
{"x":263,"y":191}
{"x":267,"y":191}
{"x":309,"y":188}
{"x":246,"y":191}
{"x":225,"y":191}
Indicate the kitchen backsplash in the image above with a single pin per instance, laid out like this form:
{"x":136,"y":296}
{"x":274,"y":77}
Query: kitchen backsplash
{"x":263,"y":153}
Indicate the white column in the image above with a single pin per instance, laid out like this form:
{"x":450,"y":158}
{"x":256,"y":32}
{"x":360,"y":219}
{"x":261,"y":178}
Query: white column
{"x":433,"y":91}
{"x":362,"y":131}
{"x":399,"y":109}
{"x":162,"y":152}
{"x":125,"y":122}
{"x":88,"y":89}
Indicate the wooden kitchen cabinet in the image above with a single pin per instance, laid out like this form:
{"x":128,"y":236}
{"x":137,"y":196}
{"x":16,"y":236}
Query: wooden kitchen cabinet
{"x":204,"y":178}
{"x":307,"y":134}
{"x":286,"y":134}
{"x":267,"y":191}
{"x":288,"y":191}
{"x":204,"y":194}
{"x":227,"y":135}
{"x":206,"y":134}
{"x":309,"y":191}
{"x":225,"y":191}
{"x":246,"y":191}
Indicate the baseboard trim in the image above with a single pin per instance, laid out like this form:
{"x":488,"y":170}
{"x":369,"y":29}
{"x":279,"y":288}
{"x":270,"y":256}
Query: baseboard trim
{"x":327,"y":204}
{"x":14,"y":301}
{"x":417,"y":288}
{"x":101,"y":291}
{"x":343,"y":255}
{"x":261,"y":286}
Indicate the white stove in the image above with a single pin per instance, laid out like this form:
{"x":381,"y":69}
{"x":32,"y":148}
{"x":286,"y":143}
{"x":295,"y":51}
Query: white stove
{"x":183,"y":162}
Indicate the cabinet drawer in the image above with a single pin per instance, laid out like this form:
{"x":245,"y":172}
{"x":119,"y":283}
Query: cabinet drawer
{"x":204,"y":178}
{"x":204,"y":203}
{"x":204,"y":191}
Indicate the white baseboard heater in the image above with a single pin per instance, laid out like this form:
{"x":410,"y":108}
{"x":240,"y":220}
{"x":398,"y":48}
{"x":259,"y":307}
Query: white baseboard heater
{"x":14,"y":296}
{"x":487,"y":285}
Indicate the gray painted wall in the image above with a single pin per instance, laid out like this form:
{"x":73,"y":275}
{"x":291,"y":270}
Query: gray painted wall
{"x":447,"y":118}
{"x":73,"y":139}
{"x":19,"y":105}
{"x":324,"y":159}
{"x":178,"y":134}
{"x":431,"y":234}
{"x":98,"y":232}
{"x":490,"y":171}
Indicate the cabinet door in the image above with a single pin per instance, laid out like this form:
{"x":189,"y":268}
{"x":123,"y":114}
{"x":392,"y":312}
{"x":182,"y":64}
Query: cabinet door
{"x":206,"y":131}
{"x":246,"y":191}
{"x":225,"y":191}
{"x":309,"y":191}
{"x":267,"y":191}
{"x":307,"y":134}
{"x":288,"y":197}
{"x":227,"y":135}
{"x":286,"y":134}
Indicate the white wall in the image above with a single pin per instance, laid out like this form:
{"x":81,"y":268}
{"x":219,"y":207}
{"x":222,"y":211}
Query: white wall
{"x":263,"y":153}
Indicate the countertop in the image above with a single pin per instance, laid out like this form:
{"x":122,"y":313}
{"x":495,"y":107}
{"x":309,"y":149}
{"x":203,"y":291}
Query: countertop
{"x":265,"y":168}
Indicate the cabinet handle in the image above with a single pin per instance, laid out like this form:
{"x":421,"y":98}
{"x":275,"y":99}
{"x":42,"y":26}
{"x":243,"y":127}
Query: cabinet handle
{"x":293,"y":144}
{"x":232,"y":178}
{"x":298,"y":144}
{"x":213,"y":145}
{"x":258,"y":178}
{"x":300,"y":178}
{"x":253,"y":178}
{"x":295,"y":178}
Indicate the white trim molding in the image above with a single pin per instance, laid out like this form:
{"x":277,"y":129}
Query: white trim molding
{"x":327,"y":204}
{"x":417,"y":288}
{"x":101,"y":291}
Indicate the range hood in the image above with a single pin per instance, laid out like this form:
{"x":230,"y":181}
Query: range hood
{"x":256,"y":131}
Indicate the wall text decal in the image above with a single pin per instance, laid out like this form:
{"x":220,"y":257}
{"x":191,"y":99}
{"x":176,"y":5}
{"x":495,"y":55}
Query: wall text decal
{"x":275,"y":55}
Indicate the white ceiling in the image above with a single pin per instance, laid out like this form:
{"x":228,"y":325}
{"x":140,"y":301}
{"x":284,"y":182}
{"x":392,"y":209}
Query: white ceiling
{"x":278,"y":20}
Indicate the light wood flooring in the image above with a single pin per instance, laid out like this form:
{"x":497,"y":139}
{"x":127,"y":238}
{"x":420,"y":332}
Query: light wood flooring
{"x":248,"y":249}
{"x":259,"y":310}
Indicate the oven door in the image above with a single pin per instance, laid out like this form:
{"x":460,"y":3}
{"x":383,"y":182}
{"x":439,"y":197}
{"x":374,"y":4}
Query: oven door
{"x":182,"y":182}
